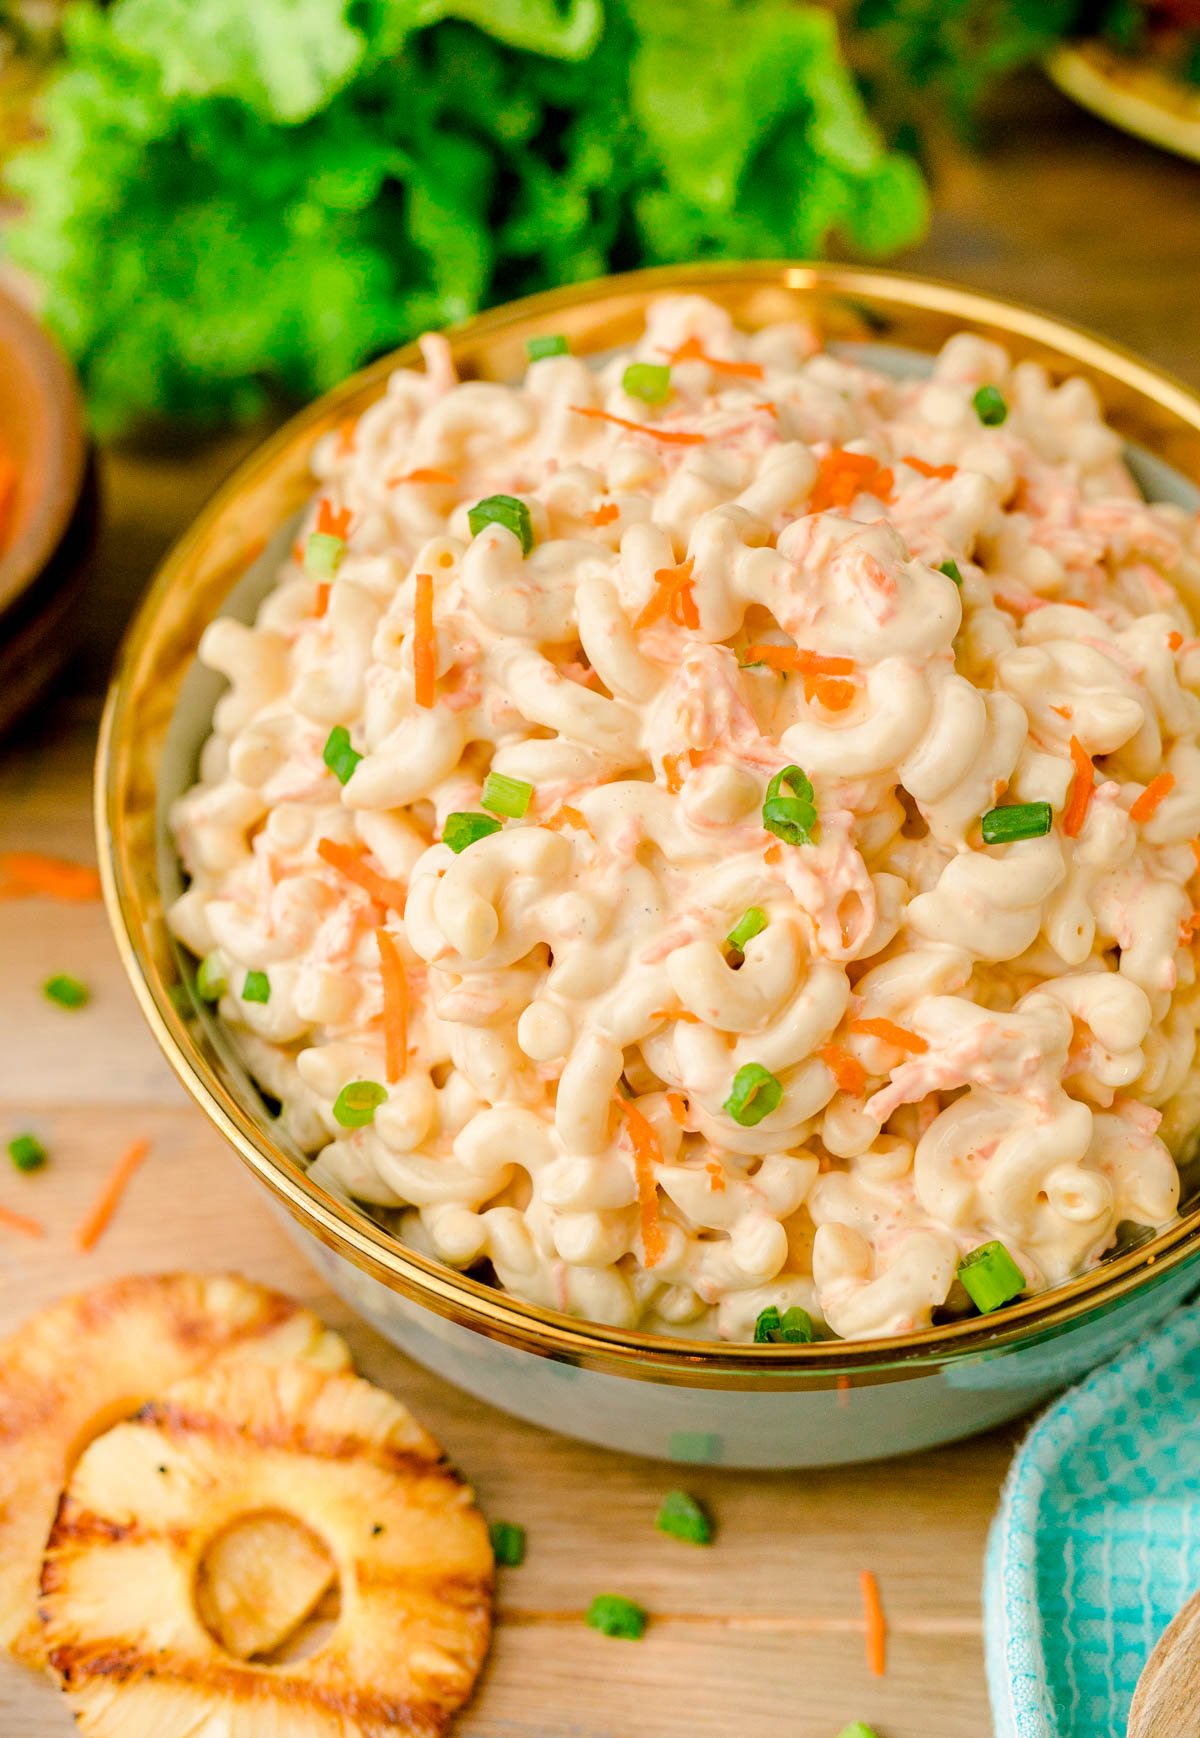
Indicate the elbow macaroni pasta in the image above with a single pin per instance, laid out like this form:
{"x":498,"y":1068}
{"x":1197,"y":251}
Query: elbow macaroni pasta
{"x":971,"y":1040}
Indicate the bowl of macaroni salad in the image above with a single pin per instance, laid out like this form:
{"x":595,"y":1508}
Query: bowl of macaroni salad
{"x":677,"y":810}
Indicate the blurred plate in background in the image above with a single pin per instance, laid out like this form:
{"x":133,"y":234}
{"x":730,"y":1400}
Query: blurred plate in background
{"x":1133,"y":94}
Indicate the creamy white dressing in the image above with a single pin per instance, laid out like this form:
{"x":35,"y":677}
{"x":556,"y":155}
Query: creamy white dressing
{"x":1044,"y":990}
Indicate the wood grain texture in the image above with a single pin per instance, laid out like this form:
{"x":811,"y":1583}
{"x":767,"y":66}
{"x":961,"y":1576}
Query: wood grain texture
{"x":761,"y":1636}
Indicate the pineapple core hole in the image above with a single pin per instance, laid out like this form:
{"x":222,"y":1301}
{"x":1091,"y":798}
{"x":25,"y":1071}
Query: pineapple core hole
{"x":267,"y":1589}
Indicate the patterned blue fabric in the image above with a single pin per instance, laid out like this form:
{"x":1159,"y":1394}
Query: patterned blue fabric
{"x":1097,"y":1541}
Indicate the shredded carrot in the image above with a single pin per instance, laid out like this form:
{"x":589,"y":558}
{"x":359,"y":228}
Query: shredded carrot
{"x":673,"y":766}
{"x":677,"y":1105}
{"x":565,"y":816}
{"x":321,"y":601}
{"x":1196,"y":854}
{"x":424,"y":644}
{"x":684,"y":1014}
{"x":8,"y":494}
{"x":109,"y":1199}
{"x":888,"y":1030}
{"x":795,"y":658}
{"x":942,"y":472}
{"x":1063,"y":711}
{"x":718,"y":1177}
{"x":673,"y":598}
{"x":1175,"y":640}
{"x":27,"y":874}
{"x":677,"y":437}
{"x":22,"y":1223}
{"x":1188,"y":928}
{"x":876,"y":1624}
{"x":834,"y":695}
{"x":346,"y":430}
{"x":692,"y":350}
{"x":425,"y":475}
{"x":395,"y":1005}
{"x":390,"y":894}
{"x":1081,"y":790}
{"x":1147,"y":804}
{"x":331,"y":523}
{"x":604,"y":514}
{"x":769,"y":405}
{"x":646,"y":1154}
{"x":847,"y":1070}
{"x":844,"y":475}
{"x":773,"y":854}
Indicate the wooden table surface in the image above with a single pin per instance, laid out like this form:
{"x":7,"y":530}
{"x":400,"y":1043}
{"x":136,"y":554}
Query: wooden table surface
{"x":761,"y":1636}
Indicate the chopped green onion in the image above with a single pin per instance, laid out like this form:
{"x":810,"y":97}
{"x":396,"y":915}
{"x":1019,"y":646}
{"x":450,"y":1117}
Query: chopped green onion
{"x":612,"y":1615}
{"x":324,"y":554}
{"x":755,"y":1094}
{"x":751,"y":923}
{"x":649,"y":381}
{"x":950,"y":569}
{"x":338,"y":755}
{"x":793,"y":1328}
{"x":990,"y":406}
{"x":356,"y":1104}
{"x":553,"y":344}
{"x":858,"y":1730}
{"x":503,"y":510}
{"x":990,"y":1276}
{"x":27,"y":1152}
{"x":210,"y":979}
{"x":508,"y":1540}
{"x":66,"y":991}
{"x":793,"y":818}
{"x":462,"y":830}
{"x":683,"y":1517}
{"x":257,"y":987}
{"x":506,"y":796}
{"x":1016,"y":821}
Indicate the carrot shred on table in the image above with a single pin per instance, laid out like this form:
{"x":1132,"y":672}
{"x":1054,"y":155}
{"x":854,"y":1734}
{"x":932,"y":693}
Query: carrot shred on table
{"x":22,"y":1223}
{"x":647,"y":1153}
{"x":677,"y":1105}
{"x":331,"y":523}
{"x":923,"y":469}
{"x":1175,"y":639}
{"x":888,"y":1030}
{"x":604,"y":514}
{"x":1081,"y":790}
{"x":424,"y":644}
{"x":1153,"y":795}
{"x":424,"y":474}
{"x":677,"y":437}
{"x":395,"y":1006}
{"x":842,"y":475}
{"x":674,"y":598}
{"x":876,"y":1624}
{"x":109,"y":1199}
{"x":390,"y":894}
{"x":847,"y":1070}
{"x":692,"y":350}
{"x":27,"y":874}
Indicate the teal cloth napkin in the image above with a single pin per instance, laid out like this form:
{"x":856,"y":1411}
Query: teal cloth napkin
{"x":1096,"y":1544}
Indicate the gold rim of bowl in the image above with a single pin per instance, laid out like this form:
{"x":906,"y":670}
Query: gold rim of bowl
{"x":1146,"y":405}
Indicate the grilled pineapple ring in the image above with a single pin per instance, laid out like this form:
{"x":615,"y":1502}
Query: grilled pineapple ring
{"x":72,"y":1370}
{"x":412,"y":1552}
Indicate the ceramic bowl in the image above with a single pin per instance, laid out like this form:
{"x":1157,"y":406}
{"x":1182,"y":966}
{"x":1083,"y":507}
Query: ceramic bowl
{"x":686,"y":1400}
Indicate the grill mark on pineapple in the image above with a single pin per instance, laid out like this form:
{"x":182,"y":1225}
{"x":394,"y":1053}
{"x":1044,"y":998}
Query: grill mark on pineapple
{"x":78,"y":1527}
{"x":294,"y":1437}
{"x":123,"y":1663}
